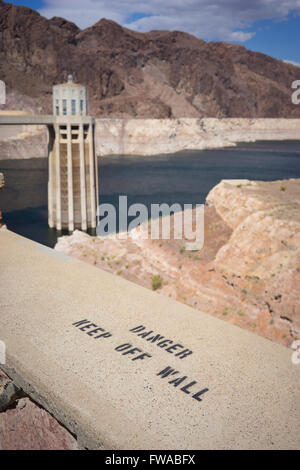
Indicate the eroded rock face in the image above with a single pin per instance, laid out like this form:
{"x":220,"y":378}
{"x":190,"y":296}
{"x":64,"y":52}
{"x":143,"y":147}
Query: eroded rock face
{"x":25,"y":145}
{"x":156,"y":136}
{"x":262,"y":256}
{"x":159,"y":74}
{"x":248,"y":271}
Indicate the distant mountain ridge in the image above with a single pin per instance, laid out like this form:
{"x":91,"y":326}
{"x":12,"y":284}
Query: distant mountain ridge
{"x":160,"y":74}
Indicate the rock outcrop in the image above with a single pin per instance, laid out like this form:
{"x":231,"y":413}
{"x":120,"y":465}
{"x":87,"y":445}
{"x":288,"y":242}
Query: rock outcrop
{"x":160,"y":74}
{"x":262,"y":256}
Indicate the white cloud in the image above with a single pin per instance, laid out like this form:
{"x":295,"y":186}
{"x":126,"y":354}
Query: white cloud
{"x":227,"y":20}
{"x":297,"y":64}
{"x":241,"y":36}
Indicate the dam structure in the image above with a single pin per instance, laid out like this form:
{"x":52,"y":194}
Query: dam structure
{"x":73,"y":177}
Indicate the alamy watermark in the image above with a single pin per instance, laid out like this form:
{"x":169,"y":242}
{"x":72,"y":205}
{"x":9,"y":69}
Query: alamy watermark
{"x":2,"y":92}
{"x":2,"y":353}
{"x":186,"y":223}
{"x":296,"y":94}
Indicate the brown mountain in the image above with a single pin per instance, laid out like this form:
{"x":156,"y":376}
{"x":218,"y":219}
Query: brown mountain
{"x":157,"y":74}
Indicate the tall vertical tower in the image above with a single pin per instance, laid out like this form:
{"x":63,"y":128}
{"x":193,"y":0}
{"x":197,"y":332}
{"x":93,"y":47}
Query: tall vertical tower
{"x":73,"y":175}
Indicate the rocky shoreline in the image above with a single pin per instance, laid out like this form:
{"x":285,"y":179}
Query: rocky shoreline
{"x":247,"y":273}
{"x":157,"y":136}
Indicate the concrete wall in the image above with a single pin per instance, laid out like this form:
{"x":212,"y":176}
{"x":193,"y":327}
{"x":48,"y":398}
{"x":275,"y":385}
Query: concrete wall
{"x":83,"y":343}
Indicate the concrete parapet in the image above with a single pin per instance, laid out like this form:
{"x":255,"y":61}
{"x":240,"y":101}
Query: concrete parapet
{"x":125,"y":368}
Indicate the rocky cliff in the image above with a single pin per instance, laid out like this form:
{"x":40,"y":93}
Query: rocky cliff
{"x":22,"y":142}
{"x":154,"y":136}
{"x":262,"y":256}
{"x":159,"y":74}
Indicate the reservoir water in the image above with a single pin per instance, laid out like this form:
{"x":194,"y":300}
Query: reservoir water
{"x":185,"y":177}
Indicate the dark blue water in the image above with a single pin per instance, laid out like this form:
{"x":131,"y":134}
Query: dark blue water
{"x":185,"y":177}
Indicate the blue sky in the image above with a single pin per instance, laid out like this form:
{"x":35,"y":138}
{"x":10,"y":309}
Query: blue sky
{"x":268,"y":26}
